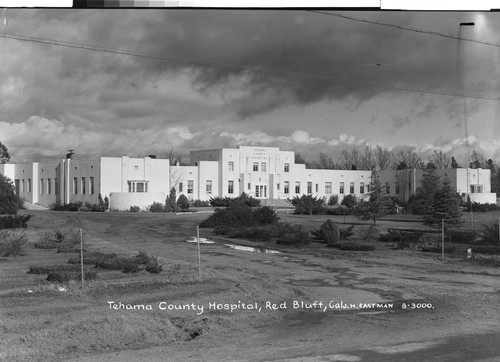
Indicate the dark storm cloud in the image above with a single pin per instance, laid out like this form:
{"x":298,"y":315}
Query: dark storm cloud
{"x":320,"y":46}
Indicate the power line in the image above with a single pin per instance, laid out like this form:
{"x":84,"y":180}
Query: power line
{"x":275,"y":72}
{"x":404,"y":28}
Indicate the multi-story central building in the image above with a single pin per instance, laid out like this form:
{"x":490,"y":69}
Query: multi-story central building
{"x":261,"y":172}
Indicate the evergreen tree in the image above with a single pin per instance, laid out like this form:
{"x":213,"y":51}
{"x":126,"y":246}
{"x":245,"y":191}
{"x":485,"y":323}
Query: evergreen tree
{"x":170,"y":202}
{"x":445,"y":206}
{"x":8,"y":197}
{"x":378,"y":204}
{"x":422,"y":203}
{"x":4,"y":154}
{"x":454,"y":163}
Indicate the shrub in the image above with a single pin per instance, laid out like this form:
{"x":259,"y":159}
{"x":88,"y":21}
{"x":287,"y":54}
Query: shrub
{"x":296,"y":237}
{"x":135,"y":208}
{"x":92,"y":257}
{"x":93,"y":207}
{"x":53,"y":268}
{"x":438,"y":249}
{"x":200,"y":203}
{"x":340,"y":211}
{"x":250,"y":233}
{"x":489,"y":234}
{"x":240,"y":216}
{"x":8,"y":198}
{"x":282,"y":228}
{"x":183,"y":202}
{"x":72,"y":206}
{"x":244,"y":199}
{"x":307,"y":204}
{"x":329,"y":232}
{"x":350,"y":246}
{"x":14,"y":221}
{"x":333,"y":200}
{"x":11,"y":243}
{"x":461,"y":236}
{"x":63,"y":239}
{"x":486,"y":249}
{"x":112,"y":261}
{"x":368,"y":233}
{"x":156,"y":207}
{"x":63,"y":276}
{"x":477,"y":207}
{"x":347,"y":232}
{"x":349,"y":201}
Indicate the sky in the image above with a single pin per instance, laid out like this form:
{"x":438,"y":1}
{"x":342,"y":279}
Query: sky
{"x":300,"y":80}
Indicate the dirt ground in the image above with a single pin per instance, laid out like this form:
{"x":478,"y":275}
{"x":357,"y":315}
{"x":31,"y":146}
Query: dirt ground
{"x":301,"y":304}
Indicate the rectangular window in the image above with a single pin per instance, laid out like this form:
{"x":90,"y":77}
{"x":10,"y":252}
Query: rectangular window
{"x":92,"y":185}
{"x":180,"y":186}
{"x":56,"y":185}
{"x":341,"y":187}
{"x":328,"y":187}
{"x":297,"y":187}
{"x":387,"y":188}
{"x":29,"y":185}
{"x":397,"y":188}
{"x":287,"y":167}
{"x":209,"y":187}
{"x":83,"y":186}
{"x":137,"y":186}
{"x":190,"y":186}
{"x":249,"y":186}
{"x":317,"y":187}
{"x":49,"y":186}
{"x":368,"y":188}
{"x":309,"y":187}
{"x":361,"y":187}
{"x":42,"y":188}
{"x":75,"y":185}
{"x":263,"y":167}
{"x":409,"y":186}
{"x":256,"y":166}
{"x":230,"y":187}
{"x":286,"y":187}
{"x":278,"y":186}
{"x":351,"y":187}
{"x":140,"y":187}
{"x":231,"y":165}
{"x":23,"y":189}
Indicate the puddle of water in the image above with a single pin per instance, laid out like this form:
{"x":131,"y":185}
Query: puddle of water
{"x":253,"y":249}
{"x":194,"y":239}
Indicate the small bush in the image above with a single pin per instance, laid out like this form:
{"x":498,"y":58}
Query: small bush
{"x":339,"y":211}
{"x":243,"y":199}
{"x":156,"y":207}
{"x":486,"y":249}
{"x":14,"y":221}
{"x":347,"y":232}
{"x":489,"y":234}
{"x":296,"y":237}
{"x":350,"y":246}
{"x":63,"y":276}
{"x":135,"y":208}
{"x":333,"y":200}
{"x":461,"y":236}
{"x":200,"y":203}
{"x":53,"y":268}
{"x":112,"y":261}
{"x":11,"y":243}
{"x":438,"y":249}
{"x":349,"y":201}
{"x":72,"y":206}
{"x":368,"y":233}
{"x":282,"y":228}
{"x":307,"y":204}
{"x":477,"y":207}
{"x":92,"y":257}
{"x":8,"y":198}
{"x":329,"y":232}
{"x":63,"y":239}
{"x":183,"y":202}
{"x":240,"y":216}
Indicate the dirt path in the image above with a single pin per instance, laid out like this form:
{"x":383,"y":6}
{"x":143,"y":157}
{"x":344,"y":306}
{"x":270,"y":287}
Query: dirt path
{"x":461,"y":304}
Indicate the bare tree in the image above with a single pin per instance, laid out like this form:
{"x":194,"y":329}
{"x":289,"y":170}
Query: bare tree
{"x":384,"y":158}
{"x":408,"y":158}
{"x":176,"y":174}
{"x":325,"y":162}
{"x":440,"y":159}
{"x":478,"y":160}
{"x":368,"y":161}
{"x":350,"y":160}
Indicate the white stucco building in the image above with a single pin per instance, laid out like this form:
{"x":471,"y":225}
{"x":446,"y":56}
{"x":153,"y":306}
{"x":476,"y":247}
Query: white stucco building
{"x":261,"y":172}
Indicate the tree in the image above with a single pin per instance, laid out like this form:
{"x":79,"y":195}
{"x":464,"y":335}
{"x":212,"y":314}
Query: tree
{"x":324,"y":162}
{"x":440,"y":159}
{"x":445,"y":206}
{"x":176,"y":174}
{"x":410,"y":158}
{"x":384,"y":157}
{"x":170,"y":202}
{"x":350,"y":160}
{"x":368,"y":161}
{"x":421,"y":203}
{"x":4,"y":154}
{"x":8,"y":198}
{"x":378,"y":204}
{"x":300,"y":159}
{"x":183,"y":202}
{"x":454,"y":163}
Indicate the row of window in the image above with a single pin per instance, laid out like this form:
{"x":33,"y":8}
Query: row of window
{"x":255,"y":166}
{"x":25,"y":185}
{"x":81,"y":187}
